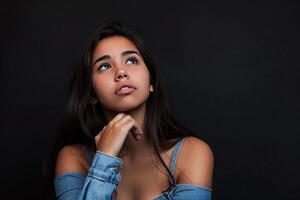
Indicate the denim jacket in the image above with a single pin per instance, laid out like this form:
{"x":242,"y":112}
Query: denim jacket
{"x":103,"y":178}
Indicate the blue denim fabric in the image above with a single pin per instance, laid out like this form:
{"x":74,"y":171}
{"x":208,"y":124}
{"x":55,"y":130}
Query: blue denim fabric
{"x":104,"y":176}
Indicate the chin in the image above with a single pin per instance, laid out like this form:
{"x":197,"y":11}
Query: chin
{"x":127,"y":107}
{"x":128,"y":104}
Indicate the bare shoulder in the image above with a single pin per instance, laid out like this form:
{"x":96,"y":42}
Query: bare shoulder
{"x":196,"y":162}
{"x":72,"y":158}
{"x":198,"y":146}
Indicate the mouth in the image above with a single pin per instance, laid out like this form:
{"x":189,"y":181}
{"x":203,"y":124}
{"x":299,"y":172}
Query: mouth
{"x":125,"y":90}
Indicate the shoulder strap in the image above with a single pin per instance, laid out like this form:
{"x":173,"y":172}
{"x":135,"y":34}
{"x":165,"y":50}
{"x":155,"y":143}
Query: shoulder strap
{"x":175,"y":155}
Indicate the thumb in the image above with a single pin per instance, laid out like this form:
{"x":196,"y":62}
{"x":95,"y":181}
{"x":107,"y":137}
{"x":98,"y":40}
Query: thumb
{"x":98,"y":136}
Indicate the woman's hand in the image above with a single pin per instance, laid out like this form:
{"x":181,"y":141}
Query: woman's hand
{"x":111,"y":138}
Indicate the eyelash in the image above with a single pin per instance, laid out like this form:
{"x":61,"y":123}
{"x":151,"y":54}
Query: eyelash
{"x":131,"y":58}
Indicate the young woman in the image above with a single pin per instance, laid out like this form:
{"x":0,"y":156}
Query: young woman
{"x":118,"y":139}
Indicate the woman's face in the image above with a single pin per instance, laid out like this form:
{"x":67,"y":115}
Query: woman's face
{"x":116,"y":60}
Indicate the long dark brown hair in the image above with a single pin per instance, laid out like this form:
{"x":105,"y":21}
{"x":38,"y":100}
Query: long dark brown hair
{"x":82,"y":120}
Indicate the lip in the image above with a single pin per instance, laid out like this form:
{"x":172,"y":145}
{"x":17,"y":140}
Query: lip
{"x":131,"y":88}
{"x":128,"y":91}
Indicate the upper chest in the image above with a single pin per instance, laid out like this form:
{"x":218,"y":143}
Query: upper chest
{"x":145,"y":180}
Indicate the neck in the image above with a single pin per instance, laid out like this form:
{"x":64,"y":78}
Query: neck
{"x":134,"y":149}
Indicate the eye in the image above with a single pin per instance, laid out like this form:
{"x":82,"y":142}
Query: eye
{"x":132,"y":60}
{"x":103,"y":66}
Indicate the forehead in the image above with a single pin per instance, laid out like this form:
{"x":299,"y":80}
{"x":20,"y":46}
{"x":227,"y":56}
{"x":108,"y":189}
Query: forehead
{"x":113,"y":46}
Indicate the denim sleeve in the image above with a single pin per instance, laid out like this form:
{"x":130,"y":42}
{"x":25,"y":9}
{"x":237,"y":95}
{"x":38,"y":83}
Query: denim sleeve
{"x":102,"y":179}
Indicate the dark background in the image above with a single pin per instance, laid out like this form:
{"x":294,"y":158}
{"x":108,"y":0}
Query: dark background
{"x":231,"y":72}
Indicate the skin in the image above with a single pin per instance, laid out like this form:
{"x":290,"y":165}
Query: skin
{"x":125,"y":130}
{"x":125,"y":113}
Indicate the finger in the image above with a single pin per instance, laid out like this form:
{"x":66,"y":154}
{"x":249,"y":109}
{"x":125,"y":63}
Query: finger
{"x":97,"y":138}
{"x":136,"y":132}
{"x":100,"y":133}
{"x":137,"y":137}
{"x":136,"y":128}
{"x":128,"y":125}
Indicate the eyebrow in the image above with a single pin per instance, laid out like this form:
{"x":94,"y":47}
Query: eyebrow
{"x":106,"y":57}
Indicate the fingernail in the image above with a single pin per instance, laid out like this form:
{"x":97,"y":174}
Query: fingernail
{"x":139,"y":136}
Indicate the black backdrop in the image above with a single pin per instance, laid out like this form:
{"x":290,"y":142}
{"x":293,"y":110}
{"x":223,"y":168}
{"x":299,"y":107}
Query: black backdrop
{"x":230,"y":70}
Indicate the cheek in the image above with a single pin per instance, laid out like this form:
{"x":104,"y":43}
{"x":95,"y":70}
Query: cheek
{"x":101,"y":86}
{"x":142,"y":79}
{"x":144,"y":75}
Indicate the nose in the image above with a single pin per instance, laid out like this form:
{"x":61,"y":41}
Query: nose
{"x":121,"y":74}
